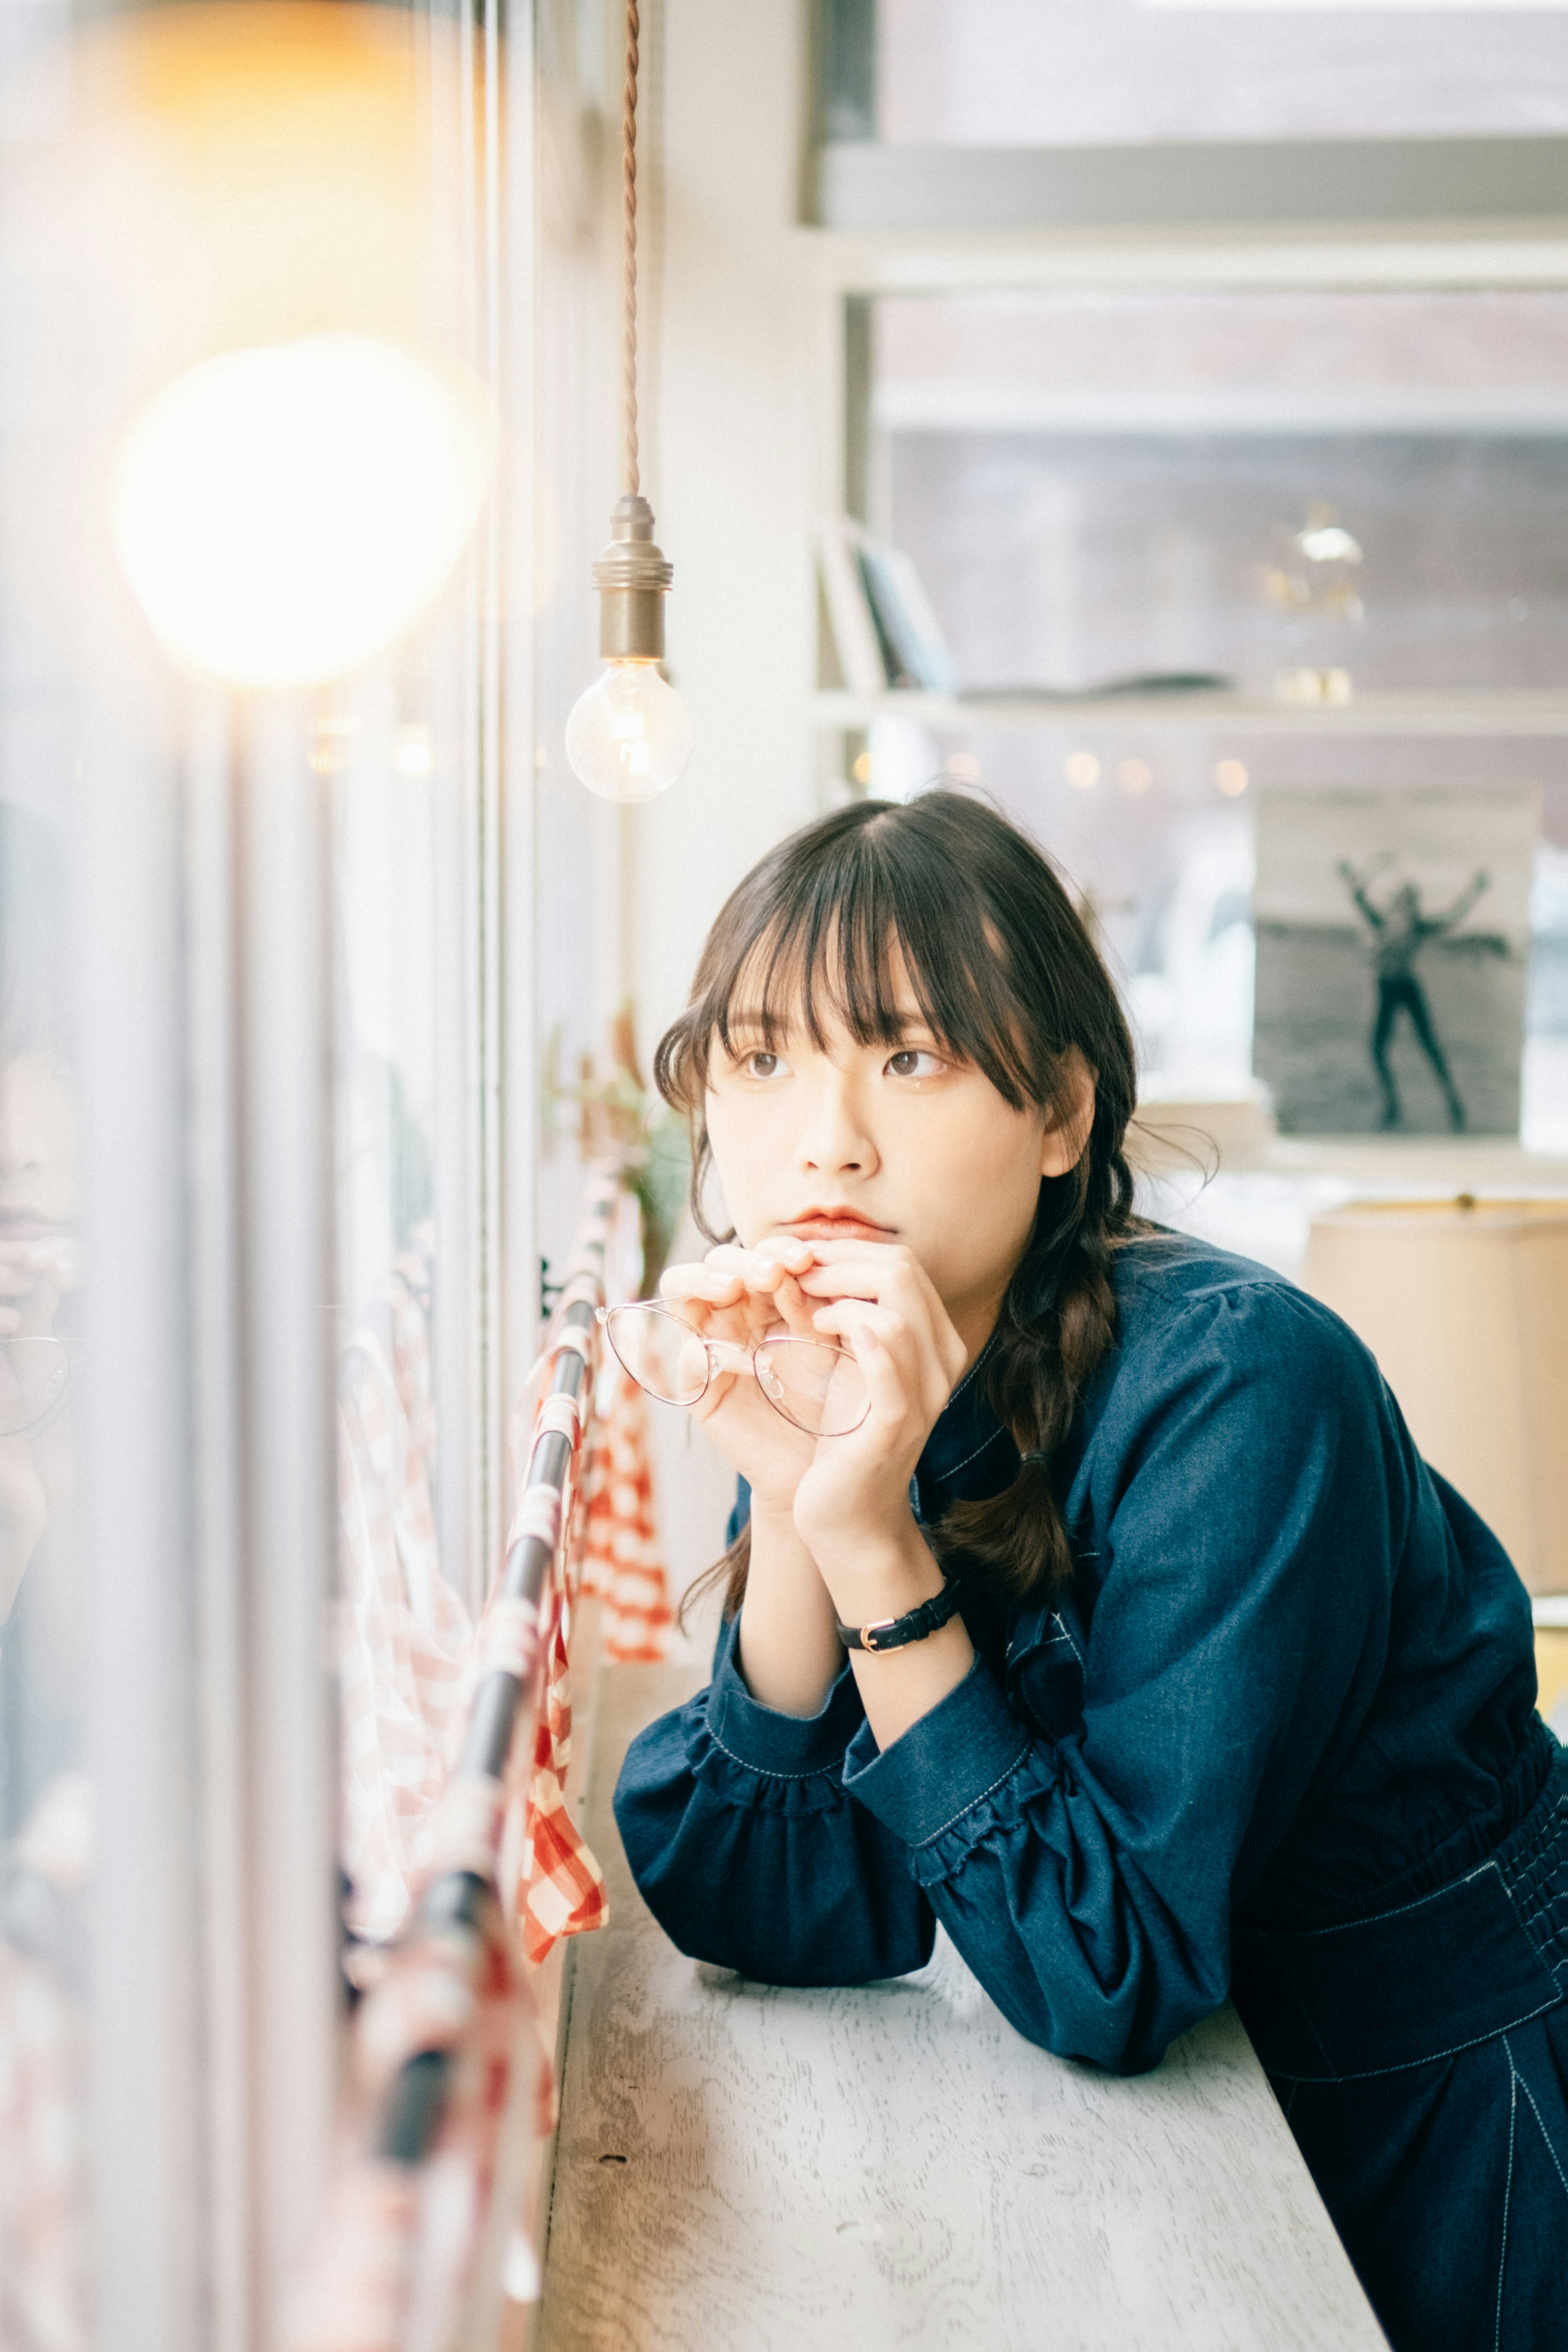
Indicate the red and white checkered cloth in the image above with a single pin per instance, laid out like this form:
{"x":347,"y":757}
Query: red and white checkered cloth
{"x":45,"y":2104}
{"x":405,"y":1636}
{"x":43,"y":2161}
{"x":552,"y":1880}
{"x":393,"y":2259}
{"x":397,"y":2247}
{"x":620,"y":1559}
{"x":410,"y":1655}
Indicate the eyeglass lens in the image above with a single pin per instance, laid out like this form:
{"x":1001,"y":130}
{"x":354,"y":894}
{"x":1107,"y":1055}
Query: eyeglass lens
{"x":821,"y":1389}
{"x":663,"y":1355}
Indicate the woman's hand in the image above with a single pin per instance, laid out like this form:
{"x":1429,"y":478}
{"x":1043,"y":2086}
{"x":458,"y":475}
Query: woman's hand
{"x":852,"y":1505}
{"x":742,"y":1297}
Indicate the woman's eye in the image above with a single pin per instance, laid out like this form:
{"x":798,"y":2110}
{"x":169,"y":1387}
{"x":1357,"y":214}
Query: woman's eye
{"x":762,"y":1065}
{"x":913,"y":1062}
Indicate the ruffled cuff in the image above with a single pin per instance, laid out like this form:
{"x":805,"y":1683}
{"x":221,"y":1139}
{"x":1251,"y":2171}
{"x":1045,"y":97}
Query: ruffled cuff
{"x":780,"y":1747}
{"x":944,"y":1766}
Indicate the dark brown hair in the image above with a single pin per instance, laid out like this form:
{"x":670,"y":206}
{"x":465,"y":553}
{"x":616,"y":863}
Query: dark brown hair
{"x":1009,"y":978}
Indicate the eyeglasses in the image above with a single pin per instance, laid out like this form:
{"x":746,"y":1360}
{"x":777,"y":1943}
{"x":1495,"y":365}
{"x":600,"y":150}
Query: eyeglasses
{"x":34,"y":1374}
{"x":820,"y":1390}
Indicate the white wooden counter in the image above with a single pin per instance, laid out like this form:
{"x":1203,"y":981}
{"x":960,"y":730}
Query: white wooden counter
{"x":741,"y":2168}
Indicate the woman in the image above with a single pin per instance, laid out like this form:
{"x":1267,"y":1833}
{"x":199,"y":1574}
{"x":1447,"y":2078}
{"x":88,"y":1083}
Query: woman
{"x":1178,"y":1675}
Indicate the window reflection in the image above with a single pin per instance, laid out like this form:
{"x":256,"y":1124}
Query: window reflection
{"x":45,"y":1828}
{"x":402,"y":1406}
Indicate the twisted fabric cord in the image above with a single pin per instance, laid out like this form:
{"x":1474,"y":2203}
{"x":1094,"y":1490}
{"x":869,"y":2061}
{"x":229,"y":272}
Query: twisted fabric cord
{"x":629,"y":263}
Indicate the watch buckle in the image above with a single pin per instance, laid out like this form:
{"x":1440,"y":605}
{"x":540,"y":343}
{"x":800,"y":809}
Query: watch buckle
{"x":880,"y":1625}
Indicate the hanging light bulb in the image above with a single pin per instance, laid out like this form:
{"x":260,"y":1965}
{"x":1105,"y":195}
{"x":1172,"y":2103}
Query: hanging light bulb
{"x":630,"y":735}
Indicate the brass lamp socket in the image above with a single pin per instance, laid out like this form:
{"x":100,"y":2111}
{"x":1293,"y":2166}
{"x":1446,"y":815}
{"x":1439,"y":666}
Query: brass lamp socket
{"x":632,"y":577}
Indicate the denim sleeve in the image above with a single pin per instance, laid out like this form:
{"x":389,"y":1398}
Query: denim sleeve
{"x":749,"y":1852}
{"x":1252,"y":1484}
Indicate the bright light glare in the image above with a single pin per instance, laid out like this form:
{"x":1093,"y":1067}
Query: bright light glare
{"x":1328,"y":542}
{"x":285,"y":513}
{"x":630,"y":735}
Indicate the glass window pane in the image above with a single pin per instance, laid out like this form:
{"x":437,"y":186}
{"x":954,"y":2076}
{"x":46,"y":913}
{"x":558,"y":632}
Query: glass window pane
{"x":46,"y":1810}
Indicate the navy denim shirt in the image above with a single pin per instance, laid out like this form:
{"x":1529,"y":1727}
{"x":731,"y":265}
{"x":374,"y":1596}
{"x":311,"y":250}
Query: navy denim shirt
{"x":1293,"y":1670}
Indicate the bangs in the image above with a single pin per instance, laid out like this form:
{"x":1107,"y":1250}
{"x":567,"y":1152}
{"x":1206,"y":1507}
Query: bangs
{"x":814,"y":939}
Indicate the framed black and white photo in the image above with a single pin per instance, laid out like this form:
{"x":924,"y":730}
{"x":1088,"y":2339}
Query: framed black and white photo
{"x":1392,"y":940}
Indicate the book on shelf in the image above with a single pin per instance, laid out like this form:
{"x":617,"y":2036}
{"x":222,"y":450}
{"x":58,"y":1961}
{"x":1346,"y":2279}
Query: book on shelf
{"x":885,"y":630}
{"x":887,"y":637}
{"x":1138,"y":686}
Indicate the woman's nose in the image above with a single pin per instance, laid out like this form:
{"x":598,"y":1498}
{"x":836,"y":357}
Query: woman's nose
{"x":834,"y":1139}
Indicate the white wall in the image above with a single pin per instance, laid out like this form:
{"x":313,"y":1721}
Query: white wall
{"x":736,"y":368}
{"x":733,"y":478}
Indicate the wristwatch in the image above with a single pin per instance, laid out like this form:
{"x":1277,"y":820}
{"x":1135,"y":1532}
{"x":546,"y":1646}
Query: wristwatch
{"x":897,"y":1632}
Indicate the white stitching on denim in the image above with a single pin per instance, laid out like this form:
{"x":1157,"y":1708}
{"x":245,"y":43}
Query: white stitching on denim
{"x":818,"y":1771}
{"x":1535,"y":2111}
{"x":943,"y":1475}
{"x":1549,"y":1973}
{"x":954,"y":1393}
{"x":980,"y":1800}
{"x":1508,"y":2192}
{"x":1371,"y":2074}
{"x":1057,"y":1619}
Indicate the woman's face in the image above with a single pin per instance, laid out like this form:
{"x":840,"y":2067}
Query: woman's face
{"x":886,"y":1143}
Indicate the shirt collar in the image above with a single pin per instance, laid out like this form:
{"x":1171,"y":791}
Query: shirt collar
{"x":968,"y":1452}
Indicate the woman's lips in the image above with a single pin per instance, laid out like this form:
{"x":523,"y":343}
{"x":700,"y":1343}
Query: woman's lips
{"x":839,"y":1229}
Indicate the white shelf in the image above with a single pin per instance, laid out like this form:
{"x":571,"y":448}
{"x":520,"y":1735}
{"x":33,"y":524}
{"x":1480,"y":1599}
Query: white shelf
{"x":1532,"y":714}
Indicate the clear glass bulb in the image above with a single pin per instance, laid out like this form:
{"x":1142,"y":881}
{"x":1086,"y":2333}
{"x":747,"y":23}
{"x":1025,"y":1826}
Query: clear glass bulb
{"x":630,"y":735}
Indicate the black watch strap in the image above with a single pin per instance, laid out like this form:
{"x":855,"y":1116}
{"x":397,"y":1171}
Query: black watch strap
{"x":897,"y":1632}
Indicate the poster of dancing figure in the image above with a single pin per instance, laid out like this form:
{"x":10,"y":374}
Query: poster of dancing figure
{"x":1393,"y":939}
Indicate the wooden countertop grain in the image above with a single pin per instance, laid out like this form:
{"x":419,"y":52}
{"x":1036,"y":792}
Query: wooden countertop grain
{"x":741,"y":2168}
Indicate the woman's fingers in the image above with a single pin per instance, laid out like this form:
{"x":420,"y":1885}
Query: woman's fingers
{"x":703,"y":1284}
{"x":842,"y":1317}
{"x":885,"y":1379}
{"x":890,"y":1277}
{"x":870,"y":1270}
{"x":735,"y":1292}
{"x":796,"y":1311}
{"x":721,"y":1383}
{"x":925,"y":1377}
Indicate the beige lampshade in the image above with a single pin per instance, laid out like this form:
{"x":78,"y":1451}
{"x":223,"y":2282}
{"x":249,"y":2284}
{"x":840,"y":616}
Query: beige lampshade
{"x":1465,"y":1305}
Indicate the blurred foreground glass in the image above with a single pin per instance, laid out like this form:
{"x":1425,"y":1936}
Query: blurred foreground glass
{"x":820,"y":1390}
{"x":34,"y":1374}
{"x":257,"y":209}
{"x":47,"y":1797}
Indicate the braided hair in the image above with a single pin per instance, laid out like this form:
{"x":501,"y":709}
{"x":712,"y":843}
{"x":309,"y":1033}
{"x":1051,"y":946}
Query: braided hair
{"x":1009,"y":978}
